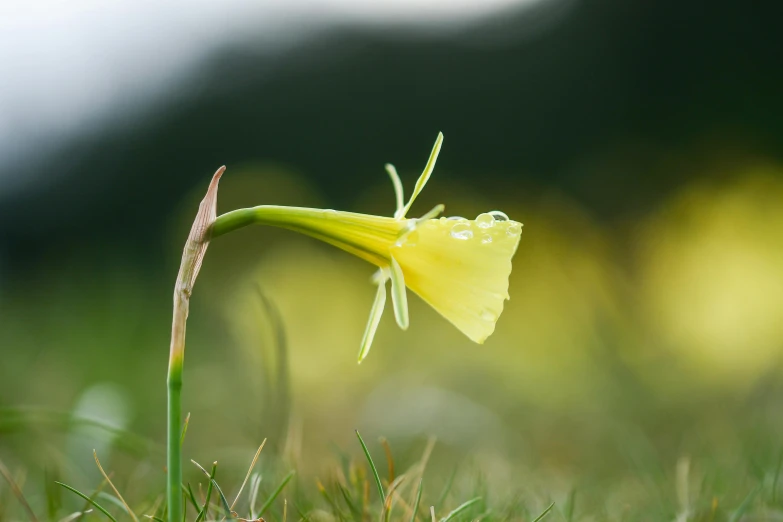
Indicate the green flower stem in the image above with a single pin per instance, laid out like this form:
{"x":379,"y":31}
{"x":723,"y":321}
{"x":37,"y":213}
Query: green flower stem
{"x":192,"y":257}
{"x":174,"y":451}
{"x":354,"y":233}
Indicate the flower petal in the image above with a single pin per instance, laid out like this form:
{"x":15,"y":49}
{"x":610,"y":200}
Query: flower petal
{"x":399,"y":296}
{"x":375,"y":317}
{"x":425,"y":176}
{"x":398,"y":193}
{"x":461,"y":269}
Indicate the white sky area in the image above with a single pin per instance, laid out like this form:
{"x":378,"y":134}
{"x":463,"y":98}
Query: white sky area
{"x":65,"y":63}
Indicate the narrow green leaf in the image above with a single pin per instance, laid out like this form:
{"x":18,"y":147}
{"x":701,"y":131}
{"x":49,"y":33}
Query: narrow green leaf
{"x":213,"y":483}
{"x":388,"y":504}
{"x":569,"y":510}
{"x":335,"y":508}
{"x":459,"y":509}
{"x":355,"y":511}
{"x":17,"y":492}
{"x":446,"y":490}
{"x":372,"y":467}
{"x":305,"y":516}
{"x":255,"y":483}
{"x":191,"y":497}
{"x":418,"y":499}
{"x":112,"y":499}
{"x":88,"y":499}
{"x":156,"y":519}
{"x":275,"y":493}
{"x":775,"y":479}
{"x":737,"y":516}
{"x":202,"y":512}
{"x":226,"y":507}
{"x":545,"y":513}
{"x":184,"y":429}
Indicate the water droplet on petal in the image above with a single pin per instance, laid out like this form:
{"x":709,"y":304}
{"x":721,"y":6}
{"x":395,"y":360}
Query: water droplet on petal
{"x":461,"y":231}
{"x":486,"y":239}
{"x":485,"y":220}
{"x":498,"y":215}
{"x":514,"y":229}
{"x":456,"y":218}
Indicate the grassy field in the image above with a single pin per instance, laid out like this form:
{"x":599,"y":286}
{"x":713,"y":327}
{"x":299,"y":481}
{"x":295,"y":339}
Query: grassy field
{"x":424,"y":477}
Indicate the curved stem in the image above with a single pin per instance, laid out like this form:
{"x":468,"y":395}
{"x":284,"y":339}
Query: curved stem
{"x":192,"y":257}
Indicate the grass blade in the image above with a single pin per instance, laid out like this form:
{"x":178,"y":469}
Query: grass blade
{"x":388,"y":503}
{"x":389,"y":458}
{"x":305,"y":517}
{"x":255,"y":483}
{"x":355,"y":511}
{"x":223,"y":500}
{"x":372,"y":466}
{"x":17,"y":492}
{"x":202,"y":513}
{"x":418,"y":499}
{"x":184,"y":429}
{"x":249,"y":471}
{"x":156,"y":519}
{"x":111,"y":499}
{"x":737,"y":516}
{"x":447,"y":489}
{"x":192,"y":497}
{"x":275,"y":493}
{"x":545,"y":513}
{"x":16,"y":419}
{"x":337,"y":512}
{"x":569,"y":510}
{"x":213,"y":483}
{"x":88,"y":499}
{"x":775,"y":479}
{"x":127,"y":507}
{"x":459,"y":509}
{"x":94,"y":494}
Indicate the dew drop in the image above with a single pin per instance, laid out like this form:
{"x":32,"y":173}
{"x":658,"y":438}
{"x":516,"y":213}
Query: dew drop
{"x":455,"y":218}
{"x":461,"y":231}
{"x":486,"y":239}
{"x":485,"y":220}
{"x":498,"y":215}
{"x":514,"y":229}
{"x":488,"y":316}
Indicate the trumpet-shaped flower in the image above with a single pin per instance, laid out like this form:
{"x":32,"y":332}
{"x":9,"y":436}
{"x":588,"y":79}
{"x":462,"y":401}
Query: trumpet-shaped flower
{"x":459,"y":266}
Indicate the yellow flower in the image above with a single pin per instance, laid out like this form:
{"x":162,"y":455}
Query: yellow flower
{"x":459,"y":266}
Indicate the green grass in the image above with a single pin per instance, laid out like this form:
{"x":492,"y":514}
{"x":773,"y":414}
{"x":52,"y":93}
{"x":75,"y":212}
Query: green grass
{"x":732,"y":474}
{"x":357,"y":489}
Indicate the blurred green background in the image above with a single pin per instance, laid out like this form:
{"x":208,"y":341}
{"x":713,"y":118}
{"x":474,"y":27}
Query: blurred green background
{"x":640,"y":143}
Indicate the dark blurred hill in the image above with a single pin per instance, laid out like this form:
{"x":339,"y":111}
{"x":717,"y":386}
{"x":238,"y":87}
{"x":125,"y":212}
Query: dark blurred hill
{"x":583,"y":97}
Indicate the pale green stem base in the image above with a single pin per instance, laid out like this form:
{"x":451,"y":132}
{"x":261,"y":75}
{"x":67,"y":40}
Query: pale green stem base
{"x":174,"y":384}
{"x":174,"y":448}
